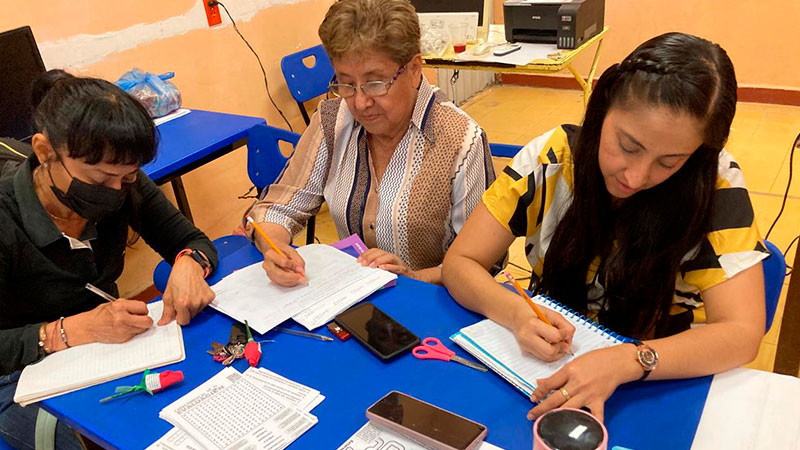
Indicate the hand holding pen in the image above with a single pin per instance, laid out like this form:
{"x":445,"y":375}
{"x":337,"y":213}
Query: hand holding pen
{"x":545,"y":336}
{"x":116,"y":320}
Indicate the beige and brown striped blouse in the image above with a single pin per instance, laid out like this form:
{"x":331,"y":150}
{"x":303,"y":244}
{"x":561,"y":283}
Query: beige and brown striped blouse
{"x":434,"y":179}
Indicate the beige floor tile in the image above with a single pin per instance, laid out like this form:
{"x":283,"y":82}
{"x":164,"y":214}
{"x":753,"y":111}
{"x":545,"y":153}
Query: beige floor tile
{"x":760,"y":163}
{"x":782,"y":178}
{"x":788,"y":227}
{"x":766,"y":358}
{"x":775,"y":330}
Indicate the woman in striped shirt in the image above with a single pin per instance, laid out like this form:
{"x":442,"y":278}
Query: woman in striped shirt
{"x":636,"y":212}
{"x":397,"y":163}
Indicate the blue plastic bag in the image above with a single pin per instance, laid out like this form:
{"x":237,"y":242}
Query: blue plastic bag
{"x":159,"y":96}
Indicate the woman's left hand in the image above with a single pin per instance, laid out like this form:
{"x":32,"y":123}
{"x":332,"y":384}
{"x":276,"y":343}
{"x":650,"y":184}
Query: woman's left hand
{"x":586,"y":381}
{"x":382,"y":259}
{"x":187,"y":292}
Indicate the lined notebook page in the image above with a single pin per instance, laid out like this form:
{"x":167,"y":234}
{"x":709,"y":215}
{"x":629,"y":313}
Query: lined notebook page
{"x":500,"y":350}
{"x":90,"y":364}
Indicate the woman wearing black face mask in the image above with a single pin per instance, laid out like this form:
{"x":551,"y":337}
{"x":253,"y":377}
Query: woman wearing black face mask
{"x":64,"y":219}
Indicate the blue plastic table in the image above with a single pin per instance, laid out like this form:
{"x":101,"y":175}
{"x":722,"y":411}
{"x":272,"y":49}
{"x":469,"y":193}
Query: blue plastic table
{"x":190,"y":141}
{"x":652,"y":415}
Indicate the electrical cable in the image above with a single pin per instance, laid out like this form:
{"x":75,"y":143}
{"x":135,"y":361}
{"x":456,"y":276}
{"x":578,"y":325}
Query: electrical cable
{"x":788,"y":184}
{"x":263,"y":72}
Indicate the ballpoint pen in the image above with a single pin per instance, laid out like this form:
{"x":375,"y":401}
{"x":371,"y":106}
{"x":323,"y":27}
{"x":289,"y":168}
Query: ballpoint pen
{"x":304,"y":334}
{"x":100,"y":292}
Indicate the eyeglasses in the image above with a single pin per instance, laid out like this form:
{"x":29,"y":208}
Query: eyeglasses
{"x":372,"y":88}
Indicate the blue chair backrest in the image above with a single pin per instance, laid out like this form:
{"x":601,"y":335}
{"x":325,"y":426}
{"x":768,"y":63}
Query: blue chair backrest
{"x":304,"y":82}
{"x":504,"y":150}
{"x":264,"y":158}
{"x":225,"y":246}
{"x":774,"y":274}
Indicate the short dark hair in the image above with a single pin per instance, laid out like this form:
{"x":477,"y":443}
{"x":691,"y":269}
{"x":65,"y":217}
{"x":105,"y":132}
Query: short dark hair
{"x":642,"y":243}
{"x":93,"y":119}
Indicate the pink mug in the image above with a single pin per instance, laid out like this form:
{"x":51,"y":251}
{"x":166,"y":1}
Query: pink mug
{"x":569,"y":428}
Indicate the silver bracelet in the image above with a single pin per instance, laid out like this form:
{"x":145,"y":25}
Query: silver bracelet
{"x":63,"y":333}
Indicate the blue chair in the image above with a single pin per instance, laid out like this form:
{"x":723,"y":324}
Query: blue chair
{"x":305,"y":82}
{"x":504,"y":150}
{"x":774,"y":275}
{"x":265,"y":162}
{"x":225,"y":246}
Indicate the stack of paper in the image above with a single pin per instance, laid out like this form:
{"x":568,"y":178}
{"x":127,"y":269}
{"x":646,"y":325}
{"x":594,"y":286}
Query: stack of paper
{"x":371,"y":437}
{"x":258,"y":409}
{"x":335,"y":282}
{"x":87,"y":365}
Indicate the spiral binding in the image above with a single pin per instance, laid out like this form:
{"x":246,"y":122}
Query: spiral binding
{"x":608,"y":334}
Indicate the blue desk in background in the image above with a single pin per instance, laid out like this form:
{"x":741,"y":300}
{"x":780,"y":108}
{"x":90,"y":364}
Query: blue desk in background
{"x":647,"y":415}
{"x":190,"y":141}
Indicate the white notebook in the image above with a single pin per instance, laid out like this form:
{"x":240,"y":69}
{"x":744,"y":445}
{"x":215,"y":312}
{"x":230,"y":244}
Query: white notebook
{"x":87,"y":365}
{"x":496,"y":347}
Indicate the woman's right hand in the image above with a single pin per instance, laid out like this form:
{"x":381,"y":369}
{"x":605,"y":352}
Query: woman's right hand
{"x":118,"y":321}
{"x":289,"y":270}
{"x":545,"y":342}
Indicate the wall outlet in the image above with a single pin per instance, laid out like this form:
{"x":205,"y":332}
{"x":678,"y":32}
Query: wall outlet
{"x":212,"y":14}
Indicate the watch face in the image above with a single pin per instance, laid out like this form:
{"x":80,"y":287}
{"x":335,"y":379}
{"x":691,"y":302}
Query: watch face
{"x":648,"y":357}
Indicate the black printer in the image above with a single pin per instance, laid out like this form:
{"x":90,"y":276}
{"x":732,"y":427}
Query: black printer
{"x":568,"y":23}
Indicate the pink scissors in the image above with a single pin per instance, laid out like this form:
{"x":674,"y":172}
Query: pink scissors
{"x":432,"y":348}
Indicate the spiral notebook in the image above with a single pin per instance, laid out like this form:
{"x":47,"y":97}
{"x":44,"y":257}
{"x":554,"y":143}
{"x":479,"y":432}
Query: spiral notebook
{"x":496,"y":347}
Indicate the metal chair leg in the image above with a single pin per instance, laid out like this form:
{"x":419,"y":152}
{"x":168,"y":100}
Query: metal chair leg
{"x":45,"y":430}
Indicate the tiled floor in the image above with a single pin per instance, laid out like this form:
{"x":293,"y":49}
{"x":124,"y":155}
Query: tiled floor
{"x":760,"y":141}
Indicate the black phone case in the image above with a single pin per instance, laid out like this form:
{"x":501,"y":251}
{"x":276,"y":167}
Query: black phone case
{"x":366,"y":344}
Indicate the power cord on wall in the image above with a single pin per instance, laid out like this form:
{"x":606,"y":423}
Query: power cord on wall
{"x":263,"y":72}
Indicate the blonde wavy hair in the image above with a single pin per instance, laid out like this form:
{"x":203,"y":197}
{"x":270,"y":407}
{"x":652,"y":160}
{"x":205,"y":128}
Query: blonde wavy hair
{"x":355,"y":26}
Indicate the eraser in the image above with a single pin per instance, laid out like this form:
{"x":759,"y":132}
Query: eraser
{"x":337,"y":331}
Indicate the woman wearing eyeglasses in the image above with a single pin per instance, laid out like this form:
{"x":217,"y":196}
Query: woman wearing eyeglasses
{"x":396,"y":162}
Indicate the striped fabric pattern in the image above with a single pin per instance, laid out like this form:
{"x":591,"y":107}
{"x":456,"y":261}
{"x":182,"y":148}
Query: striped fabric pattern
{"x":532,"y":194}
{"x":434,"y":179}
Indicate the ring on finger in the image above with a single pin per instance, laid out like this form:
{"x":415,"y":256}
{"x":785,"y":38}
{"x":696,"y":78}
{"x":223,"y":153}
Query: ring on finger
{"x":565,"y":394}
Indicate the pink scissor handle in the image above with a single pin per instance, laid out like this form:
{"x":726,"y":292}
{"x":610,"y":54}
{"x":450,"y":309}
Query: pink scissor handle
{"x":432,"y":348}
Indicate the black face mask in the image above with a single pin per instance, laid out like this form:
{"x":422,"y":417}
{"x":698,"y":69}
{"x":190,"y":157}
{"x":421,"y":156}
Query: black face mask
{"x":90,"y":201}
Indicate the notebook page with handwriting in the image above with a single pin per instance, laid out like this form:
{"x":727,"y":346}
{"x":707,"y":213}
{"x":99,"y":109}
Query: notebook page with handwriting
{"x":496,"y":346}
{"x":86,"y":365}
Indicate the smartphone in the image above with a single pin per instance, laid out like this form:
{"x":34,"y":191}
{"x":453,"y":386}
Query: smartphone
{"x":505,"y":49}
{"x":374,"y":329}
{"x":429,"y":425}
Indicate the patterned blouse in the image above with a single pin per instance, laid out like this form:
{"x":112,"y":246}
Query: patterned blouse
{"x":532,"y":194}
{"x":434,"y":179}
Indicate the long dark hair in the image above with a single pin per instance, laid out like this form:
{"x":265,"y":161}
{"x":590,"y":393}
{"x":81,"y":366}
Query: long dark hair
{"x":642,"y":242}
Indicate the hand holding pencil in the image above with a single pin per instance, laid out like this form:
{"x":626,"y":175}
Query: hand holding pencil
{"x":283,"y":265}
{"x":546,"y":337}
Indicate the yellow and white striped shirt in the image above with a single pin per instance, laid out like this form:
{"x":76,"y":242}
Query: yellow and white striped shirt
{"x":532,"y":194}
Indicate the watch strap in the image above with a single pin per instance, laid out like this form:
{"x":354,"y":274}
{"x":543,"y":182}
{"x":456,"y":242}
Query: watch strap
{"x":198,"y":257}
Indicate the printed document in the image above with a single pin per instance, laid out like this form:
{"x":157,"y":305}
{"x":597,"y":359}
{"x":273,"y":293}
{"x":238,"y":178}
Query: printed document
{"x":288,"y":392}
{"x":335,"y":282}
{"x":231,"y":411}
